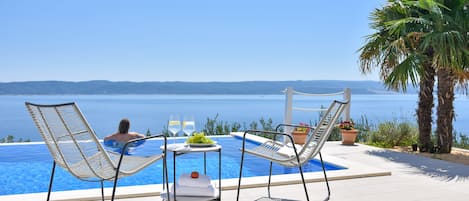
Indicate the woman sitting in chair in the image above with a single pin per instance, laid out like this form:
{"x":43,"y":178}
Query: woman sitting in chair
{"x":117,"y":140}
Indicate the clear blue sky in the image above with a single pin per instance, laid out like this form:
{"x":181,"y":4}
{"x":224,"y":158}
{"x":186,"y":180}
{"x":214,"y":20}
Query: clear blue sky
{"x":183,"y":40}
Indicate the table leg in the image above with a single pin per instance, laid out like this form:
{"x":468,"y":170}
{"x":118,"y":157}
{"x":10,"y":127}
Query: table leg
{"x":205,"y":163}
{"x":219,"y":175}
{"x":174,"y":176}
{"x":163,"y":174}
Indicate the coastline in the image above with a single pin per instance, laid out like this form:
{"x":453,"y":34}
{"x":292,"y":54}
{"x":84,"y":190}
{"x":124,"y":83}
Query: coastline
{"x":150,"y":112}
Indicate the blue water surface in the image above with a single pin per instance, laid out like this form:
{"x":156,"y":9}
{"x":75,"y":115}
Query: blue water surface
{"x":151,"y":112}
{"x":26,"y":168}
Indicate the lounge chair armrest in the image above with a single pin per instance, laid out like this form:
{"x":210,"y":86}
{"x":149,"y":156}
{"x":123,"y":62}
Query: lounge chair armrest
{"x":273,"y":133}
{"x":144,"y":138}
{"x":136,"y":140}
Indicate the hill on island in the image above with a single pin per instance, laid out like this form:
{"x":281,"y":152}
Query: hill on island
{"x":248,"y":87}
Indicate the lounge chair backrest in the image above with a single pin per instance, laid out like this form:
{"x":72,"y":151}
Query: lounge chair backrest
{"x":322,"y":132}
{"x":71,"y":141}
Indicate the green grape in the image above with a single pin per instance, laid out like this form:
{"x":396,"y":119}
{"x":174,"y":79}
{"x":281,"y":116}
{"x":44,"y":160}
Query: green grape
{"x":199,"y":138}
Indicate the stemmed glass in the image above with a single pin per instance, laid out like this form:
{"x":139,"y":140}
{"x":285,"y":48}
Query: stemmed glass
{"x":174,"y":125}
{"x":188,"y":125}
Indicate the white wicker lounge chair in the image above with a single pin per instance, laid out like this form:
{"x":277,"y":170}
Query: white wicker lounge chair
{"x":272,"y":150}
{"x":75,"y":147}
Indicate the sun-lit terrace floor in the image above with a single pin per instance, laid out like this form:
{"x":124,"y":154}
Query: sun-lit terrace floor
{"x":391,"y":176}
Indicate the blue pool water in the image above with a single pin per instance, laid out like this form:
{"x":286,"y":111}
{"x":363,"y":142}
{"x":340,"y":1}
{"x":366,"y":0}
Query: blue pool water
{"x":27,"y":168}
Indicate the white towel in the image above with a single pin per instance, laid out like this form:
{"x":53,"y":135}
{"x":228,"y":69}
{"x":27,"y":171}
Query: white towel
{"x":179,"y":147}
{"x":207,"y":191}
{"x":288,"y":150}
{"x":187,"y":180}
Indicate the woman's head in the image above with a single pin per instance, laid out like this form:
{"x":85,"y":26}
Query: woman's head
{"x":124,"y":126}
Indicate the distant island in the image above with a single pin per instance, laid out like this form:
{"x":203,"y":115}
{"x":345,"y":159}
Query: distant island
{"x":97,"y":87}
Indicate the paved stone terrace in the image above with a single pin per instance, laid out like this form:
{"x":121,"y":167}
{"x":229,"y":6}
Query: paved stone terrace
{"x":413,"y":178}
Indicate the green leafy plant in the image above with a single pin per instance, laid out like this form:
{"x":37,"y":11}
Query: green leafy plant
{"x":393,"y":133}
{"x":11,"y":139}
{"x":461,"y":141}
{"x":266,"y":124}
{"x":148,"y":132}
{"x":335,"y":135}
{"x":365,"y":128}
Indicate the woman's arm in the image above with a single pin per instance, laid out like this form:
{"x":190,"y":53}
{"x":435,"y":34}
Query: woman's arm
{"x":137,"y":135}
{"x":109,"y":137}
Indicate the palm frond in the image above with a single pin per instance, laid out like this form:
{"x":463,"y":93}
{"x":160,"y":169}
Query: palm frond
{"x":450,"y":48}
{"x":405,"y":71}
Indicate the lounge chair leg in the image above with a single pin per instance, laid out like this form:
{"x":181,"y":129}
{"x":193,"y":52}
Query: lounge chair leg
{"x":114,"y":189}
{"x":325,"y":177}
{"x":165,"y":168}
{"x":102,"y":190}
{"x":240,"y":172}
{"x":270,"y":176}
{"x":50,"y":181}
{"x":165,"y":178}
{"x":301,"y":173}
{"x":304,"y":183}
{"x":115,"y":180}
{"x":117,"y":172}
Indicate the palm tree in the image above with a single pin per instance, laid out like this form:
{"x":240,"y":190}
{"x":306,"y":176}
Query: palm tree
{"x":394,"y":49}
{"x":448,"y":38}
{"x":431,"y":37}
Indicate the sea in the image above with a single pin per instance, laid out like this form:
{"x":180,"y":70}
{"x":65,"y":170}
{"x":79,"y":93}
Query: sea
{"x":150,"y":113}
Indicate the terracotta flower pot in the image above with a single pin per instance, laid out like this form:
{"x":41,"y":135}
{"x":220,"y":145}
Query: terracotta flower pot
{"x":299,"y":137}
{"x":349,"y":136}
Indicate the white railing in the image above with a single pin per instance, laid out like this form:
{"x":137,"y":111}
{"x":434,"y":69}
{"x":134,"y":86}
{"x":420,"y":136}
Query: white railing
{"x":289,"y":93}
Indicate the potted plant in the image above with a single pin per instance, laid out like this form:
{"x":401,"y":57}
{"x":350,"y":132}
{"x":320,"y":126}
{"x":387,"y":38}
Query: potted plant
{"x":349,"y":133}
{"x":300,"y":133}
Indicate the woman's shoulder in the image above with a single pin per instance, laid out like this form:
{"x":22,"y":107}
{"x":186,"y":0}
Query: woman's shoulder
{"x":112,"y":136}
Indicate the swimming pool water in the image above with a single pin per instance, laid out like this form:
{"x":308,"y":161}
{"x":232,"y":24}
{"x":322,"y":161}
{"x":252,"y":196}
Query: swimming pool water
{"x":26,"y":168}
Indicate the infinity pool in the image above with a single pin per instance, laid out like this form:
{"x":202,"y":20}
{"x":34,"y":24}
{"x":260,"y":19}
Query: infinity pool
{"x":26,"y":168}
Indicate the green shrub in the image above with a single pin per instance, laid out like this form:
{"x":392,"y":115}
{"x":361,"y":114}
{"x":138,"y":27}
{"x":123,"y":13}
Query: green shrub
{"x":461,"y":141}
{"x":253,"y":125}
{"x":365,"y":128}
{"x":11,"y":139}
{"x":266,"y":124}
{"x":393,"y":133}
{"x":335,"y":135}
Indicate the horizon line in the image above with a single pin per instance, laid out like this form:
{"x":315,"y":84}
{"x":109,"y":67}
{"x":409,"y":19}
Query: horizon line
{"x":176,"y":81}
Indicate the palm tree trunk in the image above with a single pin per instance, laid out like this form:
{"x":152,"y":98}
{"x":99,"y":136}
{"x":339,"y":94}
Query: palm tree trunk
{"x":425,"y":106}
{"x":445,"y":110}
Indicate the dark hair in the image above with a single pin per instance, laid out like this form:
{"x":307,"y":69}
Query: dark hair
{"x":124,"y":126}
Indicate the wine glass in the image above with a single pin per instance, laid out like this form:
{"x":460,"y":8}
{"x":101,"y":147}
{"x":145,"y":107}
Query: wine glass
{"x":188,"y":125}
{"x":174,"y":125}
